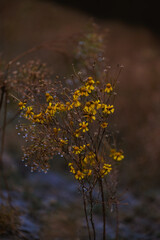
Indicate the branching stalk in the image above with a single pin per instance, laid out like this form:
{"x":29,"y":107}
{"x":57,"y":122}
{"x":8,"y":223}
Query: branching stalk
{"x":91,"y":214}
{"x":85,"y":211}
{"x":117,"y":222}
{"x":103,"y":208}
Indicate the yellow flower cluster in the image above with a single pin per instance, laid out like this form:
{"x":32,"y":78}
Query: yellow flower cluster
{"x":84,"y":90}
{"x":78,"y":150}
{"x":52,"y":109}
{"x":72,"y":118}
{"x":38,"y":118}
{"x":90,"y":158}
{"x":88,"y":167}
{"x":107,"y":109}
{"x":80,"y":174}
{"x":89,"y":109}
{"x":29,"y":113}
{"x":90,"y":84}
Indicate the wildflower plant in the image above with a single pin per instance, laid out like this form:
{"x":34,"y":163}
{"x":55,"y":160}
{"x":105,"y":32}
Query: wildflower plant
{"x":73,"y":124}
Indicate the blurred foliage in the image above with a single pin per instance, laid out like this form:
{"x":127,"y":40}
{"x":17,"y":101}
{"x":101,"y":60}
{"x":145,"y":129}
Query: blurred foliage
{"x":9,"y":219}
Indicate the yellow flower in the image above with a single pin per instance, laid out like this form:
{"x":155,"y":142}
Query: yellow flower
{"x":97,"y":82}
{"x":51,"y":109}
{"x":79,"y":175}
{"x":72,"y":170}
{"x":108,"y":109}
{"x":77,"y":103}
{"x":29,"y":112}
{"x":97,"y":104}
{"x":86,"y":108}
{"x":87,"y":172}
{"x":88,"y":104}
{"x":90,"y":117}
{"x":89,"y":84}
{"x":91,"y":155}
{"x":56,"y":130}
{"x":118,"y":156}
{"x":90,"y":78}
{"x":90,"y":108}
{"x":77,"y":133}
{"x":82,"y":147}
{"x":112,"y":152}
{"x":49,"y":106}
{"x":69,"y":106}
{"x":49,"y":98}
{"x":22,"y":105}
{"x":104,"y":125}
{"x":90,"y":158}
{"x":90,"y":87}
{"x":105,"y":169}
{"x":78,"y":150}
{"x":62,"y":141}
{"x":59,"y":106}
{"x":76,"y":95}
{"x":108,"y":88}
{"x":47,"y":95}
{"x":83,"y":126}
{"x":38,"y":118}
{"x":84,"y":91}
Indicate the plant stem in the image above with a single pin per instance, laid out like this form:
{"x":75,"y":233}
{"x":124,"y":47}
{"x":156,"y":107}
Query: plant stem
{"x":103,"y":208}
{"x":85,"y":211}
{"x":91,"y":215}
{"x":2,"y":146}
{"x":117,"y":222}
{"x":1,"y":104}
{"x":1,"y":98}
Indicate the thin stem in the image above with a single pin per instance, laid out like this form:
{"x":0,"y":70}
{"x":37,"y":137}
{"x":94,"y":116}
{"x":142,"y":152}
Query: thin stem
{"x":2,"y":137}
{"x":2,"y":148}
{"x":1,"y":104}
{"x":117,"y":222}
{"x":91,"y":214}
{"x":2,"y":95}
{"x":85,"y":211}
{"x":103,"y":208}
{"x":101,"y":138}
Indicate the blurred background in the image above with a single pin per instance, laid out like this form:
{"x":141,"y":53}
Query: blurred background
{"x":132,"y":29}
